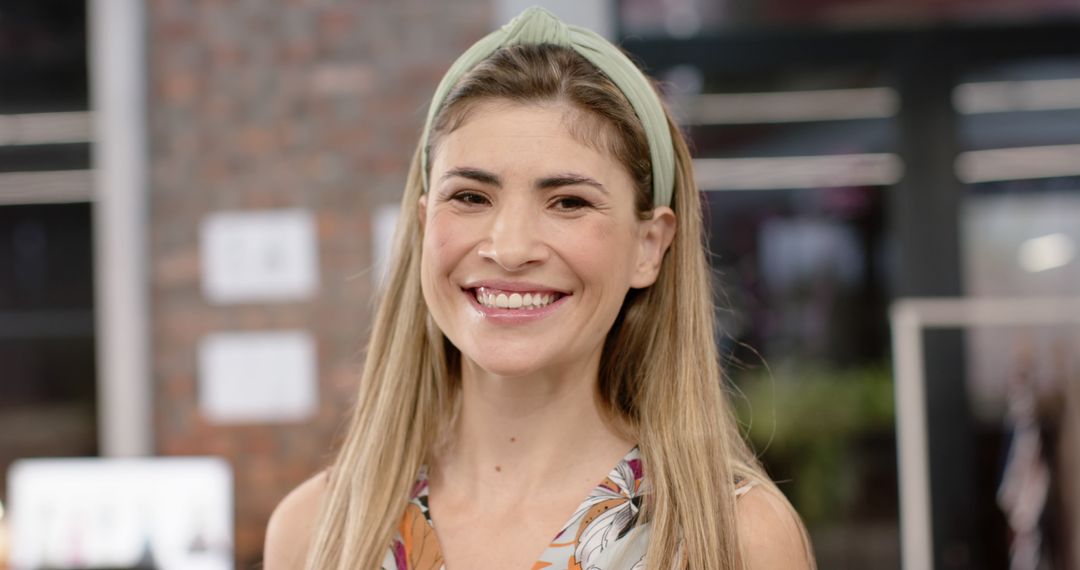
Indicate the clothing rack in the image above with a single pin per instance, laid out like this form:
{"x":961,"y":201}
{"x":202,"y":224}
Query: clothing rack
{"x":909,"y":317}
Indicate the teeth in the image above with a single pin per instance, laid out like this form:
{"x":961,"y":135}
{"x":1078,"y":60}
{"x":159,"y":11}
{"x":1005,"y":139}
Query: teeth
{"x":514,"y":300}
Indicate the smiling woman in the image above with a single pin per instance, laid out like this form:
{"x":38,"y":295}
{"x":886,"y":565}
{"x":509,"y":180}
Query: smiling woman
{"x":521,"y":208}
{"x":541,"y":387}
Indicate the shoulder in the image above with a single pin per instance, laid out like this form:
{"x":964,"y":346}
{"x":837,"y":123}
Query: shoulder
{"x":770,"y":533}
{"x":292,"y":525}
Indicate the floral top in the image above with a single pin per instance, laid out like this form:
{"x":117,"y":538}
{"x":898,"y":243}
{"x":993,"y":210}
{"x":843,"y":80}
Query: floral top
{"x":599,"y":536}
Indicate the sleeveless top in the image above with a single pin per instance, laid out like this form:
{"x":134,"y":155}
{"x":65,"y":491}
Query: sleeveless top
{"x":600,"y":535}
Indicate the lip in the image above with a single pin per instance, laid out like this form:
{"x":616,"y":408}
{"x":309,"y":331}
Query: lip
{"x":514,"y":316}
{"x":514,"y":286}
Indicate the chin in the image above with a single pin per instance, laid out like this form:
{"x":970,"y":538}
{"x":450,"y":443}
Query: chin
{"x":509,"y":355}
{"x":508,"y":368}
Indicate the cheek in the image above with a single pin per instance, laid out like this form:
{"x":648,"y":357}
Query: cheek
{"x":446,"y":240}
{"x":601,"y":249}
{"x":602,"y":231}
{"x":442,"y":233}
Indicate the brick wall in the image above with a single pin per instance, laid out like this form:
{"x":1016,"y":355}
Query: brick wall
{"x":277,"y":104}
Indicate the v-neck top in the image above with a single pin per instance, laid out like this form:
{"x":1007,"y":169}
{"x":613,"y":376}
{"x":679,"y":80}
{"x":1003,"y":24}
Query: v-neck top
{"x":600,"y":535}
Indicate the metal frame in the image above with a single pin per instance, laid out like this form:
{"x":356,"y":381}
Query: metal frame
{"x":118,"y":97}
{"x":909,"y":318}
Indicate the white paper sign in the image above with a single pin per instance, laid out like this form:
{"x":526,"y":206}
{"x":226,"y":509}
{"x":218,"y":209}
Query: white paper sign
{"x":169,"y":513}
{"x":256,"y":377}
{"x":259,"y":256}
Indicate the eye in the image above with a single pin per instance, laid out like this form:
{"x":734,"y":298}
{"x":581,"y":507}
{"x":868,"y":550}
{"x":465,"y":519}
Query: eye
{"x":571,"y":203}
{"x":469,"y":198}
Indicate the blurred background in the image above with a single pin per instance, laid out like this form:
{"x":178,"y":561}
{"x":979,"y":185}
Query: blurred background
{"x":196,"y":199}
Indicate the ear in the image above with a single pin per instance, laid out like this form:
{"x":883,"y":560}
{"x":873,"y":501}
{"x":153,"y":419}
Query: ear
{"x":421,"y":210}
{"x":654,"y":239}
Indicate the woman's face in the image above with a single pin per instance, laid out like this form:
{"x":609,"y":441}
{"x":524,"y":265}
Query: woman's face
{"x":531,"y":240}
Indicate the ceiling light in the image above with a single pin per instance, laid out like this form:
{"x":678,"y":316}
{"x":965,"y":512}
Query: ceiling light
{"x":1047,"y":252}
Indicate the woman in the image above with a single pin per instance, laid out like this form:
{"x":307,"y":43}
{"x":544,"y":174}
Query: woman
{"x":548,"y":316}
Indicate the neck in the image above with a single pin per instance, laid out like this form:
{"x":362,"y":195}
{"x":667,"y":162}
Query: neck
{"x":522,"y":435}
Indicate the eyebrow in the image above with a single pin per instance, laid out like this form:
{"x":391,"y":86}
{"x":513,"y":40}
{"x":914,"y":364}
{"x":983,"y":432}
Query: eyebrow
{"x":546,"y":183}
{"x":476,"y":174}
{"x":569,"y":179}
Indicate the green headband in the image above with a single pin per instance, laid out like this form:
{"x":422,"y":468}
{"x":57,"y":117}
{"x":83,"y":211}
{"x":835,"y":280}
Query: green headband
{"x":538,"y":26}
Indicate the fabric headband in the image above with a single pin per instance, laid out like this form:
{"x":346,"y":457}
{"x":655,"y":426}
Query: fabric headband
{"x":538,"y":26}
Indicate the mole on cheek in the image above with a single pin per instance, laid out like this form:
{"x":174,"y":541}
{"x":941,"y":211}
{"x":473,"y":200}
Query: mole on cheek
{"x":439,"y":239}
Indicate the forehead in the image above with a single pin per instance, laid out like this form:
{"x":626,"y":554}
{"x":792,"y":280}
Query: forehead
{"x":546,"y":135}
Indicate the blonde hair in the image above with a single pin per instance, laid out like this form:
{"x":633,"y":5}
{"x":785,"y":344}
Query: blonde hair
{"x":660,"y":379}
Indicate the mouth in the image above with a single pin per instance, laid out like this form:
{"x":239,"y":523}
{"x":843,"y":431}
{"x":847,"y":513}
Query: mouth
{"x":493,"y":298}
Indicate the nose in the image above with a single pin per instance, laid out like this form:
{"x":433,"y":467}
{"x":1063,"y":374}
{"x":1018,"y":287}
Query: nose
{"x":514,"y":237}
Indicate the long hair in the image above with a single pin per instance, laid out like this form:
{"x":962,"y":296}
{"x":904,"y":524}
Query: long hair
{"x":660,"y":380}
